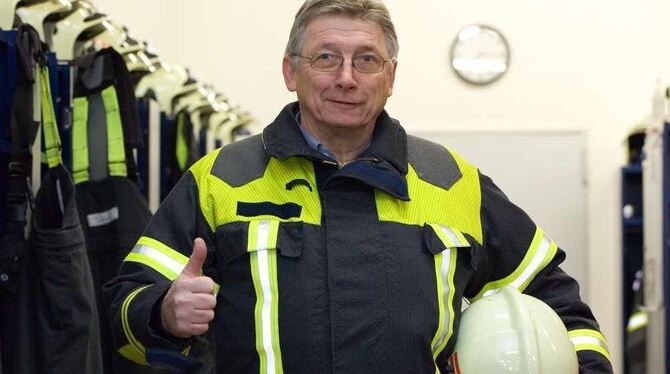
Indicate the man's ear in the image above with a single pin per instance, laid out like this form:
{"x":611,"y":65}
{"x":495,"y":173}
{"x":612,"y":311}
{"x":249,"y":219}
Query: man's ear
{"x":289,"y":74}
{"x":391,"y":76}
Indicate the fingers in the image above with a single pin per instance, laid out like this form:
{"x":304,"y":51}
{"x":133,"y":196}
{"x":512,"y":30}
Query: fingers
{"x":203,"y":302}
{"x":194,"y":265}
{"x":181,"y":311}
{"x":199,"y":329}
{"x":202,"y":317}
{"x":201,"y":284}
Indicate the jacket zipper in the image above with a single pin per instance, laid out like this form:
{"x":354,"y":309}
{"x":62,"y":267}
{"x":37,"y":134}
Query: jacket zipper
{"x":344,"y":164}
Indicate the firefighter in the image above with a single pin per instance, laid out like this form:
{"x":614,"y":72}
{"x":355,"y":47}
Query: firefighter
{"x":334,"y":242}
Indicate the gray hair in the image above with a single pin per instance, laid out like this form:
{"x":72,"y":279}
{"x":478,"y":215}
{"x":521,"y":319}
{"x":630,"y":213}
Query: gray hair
{"x":367,"y":10}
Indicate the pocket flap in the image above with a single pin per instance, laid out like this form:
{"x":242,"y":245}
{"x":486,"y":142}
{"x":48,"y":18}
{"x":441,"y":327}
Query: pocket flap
{"x":440,"y":237}
{"x":236,"y":239}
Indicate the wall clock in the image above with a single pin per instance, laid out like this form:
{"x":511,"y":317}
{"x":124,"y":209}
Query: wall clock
{"x":480,"y":54}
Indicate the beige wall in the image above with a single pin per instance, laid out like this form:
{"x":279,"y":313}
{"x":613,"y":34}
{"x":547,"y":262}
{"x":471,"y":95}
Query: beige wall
{"x":577,"y":65}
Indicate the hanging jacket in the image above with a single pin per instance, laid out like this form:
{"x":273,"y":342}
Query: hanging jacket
{"x":636,"y":329}
{"x":56,"y":317}
{"x":182,"y":150}
{"x":20,"y":52}
{"x":358,"y":268}
{"x":112,"y":211}
{"x":104,"y":100}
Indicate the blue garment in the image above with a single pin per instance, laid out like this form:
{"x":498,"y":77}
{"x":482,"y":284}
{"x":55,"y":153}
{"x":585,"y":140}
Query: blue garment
{"x":315,"y":144}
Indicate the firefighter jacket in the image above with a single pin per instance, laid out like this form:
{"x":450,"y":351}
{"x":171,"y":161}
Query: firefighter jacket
{"x":354,"y":268}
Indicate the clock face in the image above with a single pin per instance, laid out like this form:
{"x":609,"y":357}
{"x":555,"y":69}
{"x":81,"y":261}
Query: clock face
{"x":479,"y":54}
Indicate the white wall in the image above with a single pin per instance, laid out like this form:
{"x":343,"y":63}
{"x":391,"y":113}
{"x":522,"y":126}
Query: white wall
{"x":576,"y":65}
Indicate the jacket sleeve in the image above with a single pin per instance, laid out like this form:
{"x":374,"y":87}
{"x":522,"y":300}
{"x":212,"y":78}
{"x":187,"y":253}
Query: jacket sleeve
{"x":518,"y":253}
{"x":147,"y":272}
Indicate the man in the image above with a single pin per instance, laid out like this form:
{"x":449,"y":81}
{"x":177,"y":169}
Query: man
{"x":334,"y":242}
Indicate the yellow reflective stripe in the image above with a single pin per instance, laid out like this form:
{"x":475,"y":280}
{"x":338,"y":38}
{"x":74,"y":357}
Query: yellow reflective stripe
{"x":166,"y":271}
{"x":445,"y":269}
{"x":116,"y":151}
{"x":261,"y":245}
{"x":160,"y":257}
{"x":51,"y":136}
{"x":181,"y":148}
{"x":169,"y":252}
{"x":130,"y":352}
{"x":592,"y":340}
{"x":637,"y":321}
{"x":138,"y":350}
{"x":80,"y":140}
{"x":541,"y":251}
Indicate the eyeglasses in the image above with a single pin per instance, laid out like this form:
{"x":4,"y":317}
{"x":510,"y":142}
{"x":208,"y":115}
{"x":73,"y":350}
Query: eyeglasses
{"x":330,"y":62}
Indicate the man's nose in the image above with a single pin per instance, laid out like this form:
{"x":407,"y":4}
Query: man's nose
{"x":345,"y":75}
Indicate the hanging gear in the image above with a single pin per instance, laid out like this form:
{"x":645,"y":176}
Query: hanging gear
{"x":35,"y":13}
{"x":163,"y":84}
{"x":62,"y":34}
{"x":636,"y":331}
{"x":139,"y":64}
{"x":7,"y":10}
{"x":114,"y":36}
{"x":112,"y":211}
{"x":16,"y":167}
{"x":104,"y":108}
{"x":510,"y":332}
{"x":182,"y":150}
{"x":58,"y":327}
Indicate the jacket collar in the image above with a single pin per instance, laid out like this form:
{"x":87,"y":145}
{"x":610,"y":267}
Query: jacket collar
{"x":283,"y":139}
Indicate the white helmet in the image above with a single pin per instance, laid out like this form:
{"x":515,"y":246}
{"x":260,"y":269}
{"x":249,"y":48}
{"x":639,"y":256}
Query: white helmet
{"x":114,"y":36}
{"x":165,"y":82}
{"x":34,"y":14}
{"x":7,"y":10}
{"x":235,"y":118}
{"x":62,"y":34}
{"x":190,"y":99}
{"x":510,"y":332}
{"x":140,"y":61}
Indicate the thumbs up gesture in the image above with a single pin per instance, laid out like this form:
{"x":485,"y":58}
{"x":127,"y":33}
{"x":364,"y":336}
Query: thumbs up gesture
{"x":188,"y":306}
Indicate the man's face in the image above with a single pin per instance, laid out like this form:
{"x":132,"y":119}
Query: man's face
{"x":345,"y":98}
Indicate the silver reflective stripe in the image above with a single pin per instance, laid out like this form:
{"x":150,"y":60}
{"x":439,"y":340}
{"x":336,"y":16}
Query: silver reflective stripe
{"x":531,"y":269}
{"x":451,"y":235}
{"x":103,"y":218}
{"x":638,"y":320}
{"x":577,"y":340}
{"x":446,"y":263}
{"x":158,"y":256}
{"x":264,"y":275}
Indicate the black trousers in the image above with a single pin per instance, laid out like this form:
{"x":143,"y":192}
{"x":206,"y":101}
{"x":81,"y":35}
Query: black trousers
{"x":57,"y":327}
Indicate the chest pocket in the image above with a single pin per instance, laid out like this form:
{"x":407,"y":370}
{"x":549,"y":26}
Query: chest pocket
{"x":238,"y":240}
{"x":446,"y":244}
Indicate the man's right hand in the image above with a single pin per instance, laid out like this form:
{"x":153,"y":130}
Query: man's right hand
{"x":188,"y":306}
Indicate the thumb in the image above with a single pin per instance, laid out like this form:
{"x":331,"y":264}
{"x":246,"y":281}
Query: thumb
{"x":193,"y":267}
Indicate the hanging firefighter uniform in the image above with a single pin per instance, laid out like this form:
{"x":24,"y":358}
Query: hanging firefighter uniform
{"x":55,"y":316}
{"x":112,"y":210}
{"x":182,"y":150}
{"x":636,"y":331}
{"x":19,"y":129}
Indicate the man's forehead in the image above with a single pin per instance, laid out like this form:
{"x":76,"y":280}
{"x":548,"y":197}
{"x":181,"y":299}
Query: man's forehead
{"x":334,"y":30}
